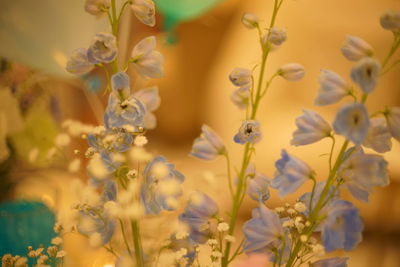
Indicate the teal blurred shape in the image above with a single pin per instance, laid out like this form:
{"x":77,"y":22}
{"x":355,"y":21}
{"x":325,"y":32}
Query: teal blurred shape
{"x":23,"y":224}
{"x":176,"y":11}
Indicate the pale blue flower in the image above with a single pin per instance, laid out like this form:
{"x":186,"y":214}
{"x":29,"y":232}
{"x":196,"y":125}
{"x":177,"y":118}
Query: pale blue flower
{"x":311,"y":127}
{"x":208,"y":146}
{"x":93,"y":219}
{"x":390,"y":20}
{"x":109,"y":192}
{"x":354,"y":48}
{"x":240,"y":97}
{"x":154,"y":197}
{"x":147,"y":61}
{"x":249,"y":132}
{"x":393,"y":121}
{"x":102,"y":225}
{"x":199,"y":210}
{"x":332,"y":88}
{"x":331,"y":262}
{"x":366,"y":73}
{"x":290,"y":174}
{"x":122,"y":112}
{"x":342,"y":227}
{"x":361,"y":172}
{"x":97,"y":7}
{"x":120,"y":83}
{"x":257,"y":185}
{"x":263,"y":232}
{"x":352,"y":121}
{"x":79,"y":63}
{"x":379,"y":137}
{"x":103,"y":48}
{"x":291,"y":72}
{"x":151,"y":99}
{"x":110,"y":141}
{"x":241,"y":77}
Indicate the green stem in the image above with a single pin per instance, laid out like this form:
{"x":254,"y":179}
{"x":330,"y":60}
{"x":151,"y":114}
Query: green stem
{"x":123,"y":8}
{"x":235,"y":206}
{"x":395,"y":46}
{"x":115,"y":21}
{"x":114,"y":26}
{"x":312,"y":193}
{"x":228,"y":166}
{"x":137,"y":244}
{"x":237,"y":251}
{"x":124,"y":236}
{"x":331,"y":154}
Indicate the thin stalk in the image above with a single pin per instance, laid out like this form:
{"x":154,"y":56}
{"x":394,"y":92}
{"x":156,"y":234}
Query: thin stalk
{"x":123,"y":8}
{"x":395,"y":46}
{"x":331,"y":153}
{"x":137,"y":244}
{"x":228,"y":166}
{"x":115,"y":21}
{"x":237,"y":251}
{"x":124,"y":236}
{"x":235,"y":206}
{"x":312,"y":193}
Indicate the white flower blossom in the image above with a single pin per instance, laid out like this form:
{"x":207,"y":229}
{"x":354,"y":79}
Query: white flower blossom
{"x":147,"y":61}
{"x":311,"y":127}
{"x":332,"y":88}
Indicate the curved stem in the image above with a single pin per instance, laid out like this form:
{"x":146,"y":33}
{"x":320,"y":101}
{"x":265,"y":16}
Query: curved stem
{"x":395,"y":46}
{"x":123,"y":8}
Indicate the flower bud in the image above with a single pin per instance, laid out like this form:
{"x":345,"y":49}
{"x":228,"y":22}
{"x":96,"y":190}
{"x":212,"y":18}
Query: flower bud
{"x":277,"y":36}
{"x":240,"y":77}
{"x":250,"y":21}
{"x":390,"y":20}
{"x":354,"y":48}
{"x":291,"y":72}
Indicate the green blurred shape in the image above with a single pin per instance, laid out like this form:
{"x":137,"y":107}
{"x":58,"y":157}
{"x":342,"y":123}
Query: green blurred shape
{"x":39,"y":132}
{"x":176,"y":11}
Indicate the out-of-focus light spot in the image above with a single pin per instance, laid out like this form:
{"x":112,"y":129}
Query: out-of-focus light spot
{"x":109,"y":265}
{"x":60,"y":58}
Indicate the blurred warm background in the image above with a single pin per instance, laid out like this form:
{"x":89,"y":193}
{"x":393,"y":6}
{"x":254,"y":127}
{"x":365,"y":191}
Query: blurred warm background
{"x":199,"y":53}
